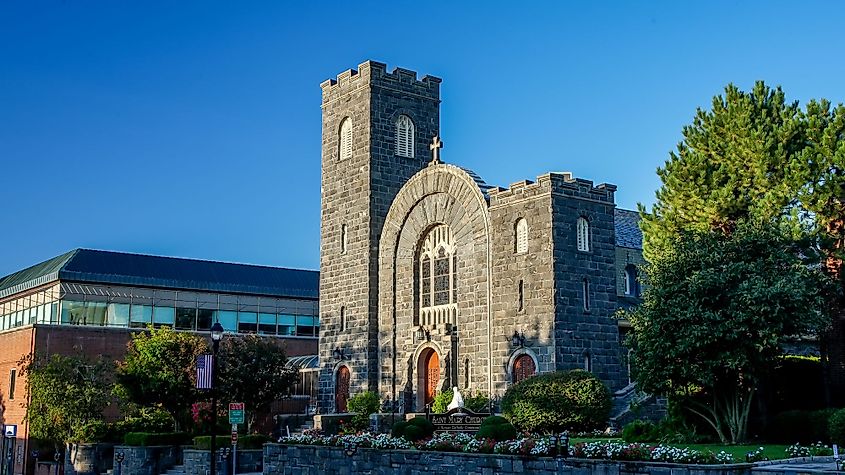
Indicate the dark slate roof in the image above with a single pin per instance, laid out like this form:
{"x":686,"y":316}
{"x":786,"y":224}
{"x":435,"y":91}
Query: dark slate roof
{"x":118,"y":268}
{"x":478,"y":181}
{"x":628,"y":233}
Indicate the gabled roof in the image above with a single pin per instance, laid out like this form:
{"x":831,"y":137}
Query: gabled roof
{"x":118,"y":268}
{"x":628,"y":232}
{"x":482,"y":185}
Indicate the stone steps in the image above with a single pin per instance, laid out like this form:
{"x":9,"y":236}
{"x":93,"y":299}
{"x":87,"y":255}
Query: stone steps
{"x":177,"y":470}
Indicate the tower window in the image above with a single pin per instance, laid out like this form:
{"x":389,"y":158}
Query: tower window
{"x":13,"y":380}
{"x":521,"y":233}
{"x":632,"y":287}
{"x":586,"y":291}
{"x":343,"y":239}
{"x":405,"y":136}
{"x":521,"y":305}
{"x":343,"y":319}
{"x":588,"y":362}
{"x":345,"y":146}
{"x":583,"y":230}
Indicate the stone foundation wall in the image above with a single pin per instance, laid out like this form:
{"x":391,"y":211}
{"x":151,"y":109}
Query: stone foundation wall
{"x":197,"y":462}
{"x":314,"y":460}
{"x":146,"y":460}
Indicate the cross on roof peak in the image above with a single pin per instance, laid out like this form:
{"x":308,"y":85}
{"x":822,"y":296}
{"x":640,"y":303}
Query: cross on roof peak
{"x":435,"y":146}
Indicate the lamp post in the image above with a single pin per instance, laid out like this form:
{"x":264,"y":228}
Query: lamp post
{"x":216,"y":336}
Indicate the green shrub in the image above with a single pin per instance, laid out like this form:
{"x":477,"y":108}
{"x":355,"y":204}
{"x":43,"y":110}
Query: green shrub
{"x":474,"y":401}
{"x":836,"y":427}
{"x":245,"y":442}
{"x":362,"y":405}
{"x":797,"y":382}
{"x":640,"y":431}
{"x":553,"y":402}
{"x":805,"y":427}
{"x":146,"y":439}
{"x":416,"y":429}
{"x":497,"y":428}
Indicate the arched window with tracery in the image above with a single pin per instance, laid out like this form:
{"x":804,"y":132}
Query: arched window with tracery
{"x":405,"y":136}
{"x":521,"y":234}
{"x":345,"y":145}
{"x":583,"y":232}
{"x":523,"y":368}
{"x":436,"y":287}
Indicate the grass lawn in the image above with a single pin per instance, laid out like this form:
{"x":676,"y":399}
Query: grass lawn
{"x":773,"y":452}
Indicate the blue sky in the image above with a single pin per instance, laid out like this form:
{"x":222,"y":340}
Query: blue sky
{"x":192,"y":128}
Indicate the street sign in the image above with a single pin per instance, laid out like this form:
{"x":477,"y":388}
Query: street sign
{"x":10,"y":431}
{"x":236,"y":413}
{"x":234,"y":437}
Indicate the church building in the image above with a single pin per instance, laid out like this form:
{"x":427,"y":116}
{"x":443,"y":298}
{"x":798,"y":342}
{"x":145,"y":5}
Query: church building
{"x":430,"y":278}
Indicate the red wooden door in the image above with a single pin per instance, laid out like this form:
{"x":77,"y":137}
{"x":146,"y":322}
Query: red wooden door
{"x":523,"y":368}
{"x":341,"y":389}
{"x":432,"y":376}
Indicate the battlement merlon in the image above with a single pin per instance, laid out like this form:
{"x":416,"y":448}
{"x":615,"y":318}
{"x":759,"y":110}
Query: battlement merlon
{"x":559,"y":183}
{"x":374,"y":74}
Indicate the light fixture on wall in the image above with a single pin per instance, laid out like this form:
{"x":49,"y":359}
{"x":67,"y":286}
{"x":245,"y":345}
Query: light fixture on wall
{"x":423,"y":334}
{"x":518,"y":339}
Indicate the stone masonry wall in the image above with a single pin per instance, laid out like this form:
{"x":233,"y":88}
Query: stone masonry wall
{"x":357,"y":192}
{"x":532,"y":202}
{"x":583,"y":335}
{"x":311,"y":460}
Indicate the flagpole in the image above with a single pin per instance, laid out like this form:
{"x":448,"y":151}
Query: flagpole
{"x":216,"y":335}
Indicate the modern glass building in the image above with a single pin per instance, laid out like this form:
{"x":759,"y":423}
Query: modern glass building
{"x":100,"y":288}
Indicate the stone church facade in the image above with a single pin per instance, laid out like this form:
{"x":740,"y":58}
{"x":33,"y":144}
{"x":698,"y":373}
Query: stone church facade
{"x":430,"y":278}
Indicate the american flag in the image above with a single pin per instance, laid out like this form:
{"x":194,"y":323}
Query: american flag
{"x":205,"y":366}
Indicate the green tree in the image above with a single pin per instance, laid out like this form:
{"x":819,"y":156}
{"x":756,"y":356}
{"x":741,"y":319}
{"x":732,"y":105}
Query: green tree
{"x":160,"y":371}
{"x":715,"y":313}
{"x":254,"y":371}
{"x":67,"y":396}
{"x":732,"y":165}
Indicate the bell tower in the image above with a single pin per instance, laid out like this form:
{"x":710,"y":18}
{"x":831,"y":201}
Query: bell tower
{"x":377,"y":126}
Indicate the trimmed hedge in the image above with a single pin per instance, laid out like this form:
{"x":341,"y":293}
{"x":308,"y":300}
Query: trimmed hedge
{"x":497,"y":428}
{"x":805,"y":427}
{"x":836,"y":427}
{"x":245,"y":442}
{"x":553,"y":402}
{"x":416,"y":429}
{"x":146,"y":439}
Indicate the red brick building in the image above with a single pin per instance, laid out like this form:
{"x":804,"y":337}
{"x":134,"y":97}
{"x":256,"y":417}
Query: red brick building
{"x":92,"y":301}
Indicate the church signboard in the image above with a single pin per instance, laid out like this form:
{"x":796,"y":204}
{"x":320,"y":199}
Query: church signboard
{"x":459,"y":419}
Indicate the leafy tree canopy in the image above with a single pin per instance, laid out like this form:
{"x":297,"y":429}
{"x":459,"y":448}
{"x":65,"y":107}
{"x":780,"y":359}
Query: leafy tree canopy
{"x":67,"y":396}
{"x":160,"y":370}
{"x":715,"y":313}
{"x":253,"y":371}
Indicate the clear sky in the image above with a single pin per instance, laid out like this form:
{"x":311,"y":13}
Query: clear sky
{"x":193,"y":128}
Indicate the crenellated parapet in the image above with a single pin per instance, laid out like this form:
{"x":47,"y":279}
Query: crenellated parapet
{"x":559,"y":183}
{"x":374,"y":74}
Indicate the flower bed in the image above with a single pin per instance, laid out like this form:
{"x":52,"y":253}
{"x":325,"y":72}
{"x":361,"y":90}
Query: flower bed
{"x":536,"y":446}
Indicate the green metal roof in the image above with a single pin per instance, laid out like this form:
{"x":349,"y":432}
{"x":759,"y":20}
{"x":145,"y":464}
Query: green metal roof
{"x":118,"y":268}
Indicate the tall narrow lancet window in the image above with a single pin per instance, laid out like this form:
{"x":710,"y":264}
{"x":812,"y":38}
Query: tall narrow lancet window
{"x":405,"y":136}
{"x":343,"y":319}
{"x":521,"y":290}
{"x":343,"y":239}
{"x":521,"y":233}
{"x":436,"y":278}
{"x":586,"y":292}
{"x":345,"y":145}
{"x":631,"y":285}
{"x":583,"y":230}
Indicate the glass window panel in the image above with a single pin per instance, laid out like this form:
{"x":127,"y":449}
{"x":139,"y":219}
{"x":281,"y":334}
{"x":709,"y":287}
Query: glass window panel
{"x":228,"y":319}
{"x":287,"y":325}
{"x":163,"y":316}
{"x":267,"y":323}
{"x":316,"y":326}
{"x":204,"y":318}
{"x":207,"y":301}
{"x":72,"y":312}
{"x":95,"y":313}
{"x":118,"y":315}
{"x":186,"y":318}
{"x":304,"y":325}
{"x":54,"y":312}
{"x":140,"y":316}
{"x":247,"y":322}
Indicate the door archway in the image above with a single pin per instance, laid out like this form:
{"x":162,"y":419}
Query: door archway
{"x":341,"y":389}
{"x":523,"y":368}
{"x":428,"y":371}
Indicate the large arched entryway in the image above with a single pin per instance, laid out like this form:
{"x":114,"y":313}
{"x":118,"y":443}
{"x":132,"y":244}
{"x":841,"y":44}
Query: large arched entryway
{"x":341,"y":389}
{"x":429,"y":377}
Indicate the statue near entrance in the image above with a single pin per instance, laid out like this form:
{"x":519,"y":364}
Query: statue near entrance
{"x":457,"y":400}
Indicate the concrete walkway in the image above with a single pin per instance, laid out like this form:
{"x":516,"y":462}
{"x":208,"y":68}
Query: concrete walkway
{"x":796,"y":466}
